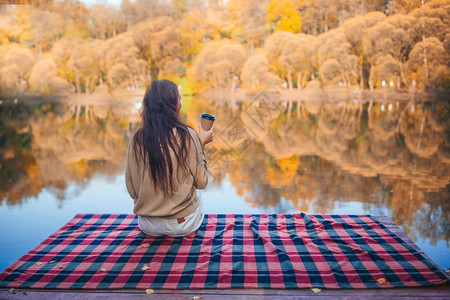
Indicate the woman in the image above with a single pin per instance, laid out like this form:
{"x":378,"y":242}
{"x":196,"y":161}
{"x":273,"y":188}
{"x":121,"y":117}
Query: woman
{"x":166,"y":164}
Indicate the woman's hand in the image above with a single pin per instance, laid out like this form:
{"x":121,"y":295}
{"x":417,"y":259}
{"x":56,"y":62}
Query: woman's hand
{"x":205,"y":136}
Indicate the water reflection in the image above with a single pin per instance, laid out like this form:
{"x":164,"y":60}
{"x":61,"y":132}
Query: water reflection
{"x":275,"y":154}
{"x":51,"y":145}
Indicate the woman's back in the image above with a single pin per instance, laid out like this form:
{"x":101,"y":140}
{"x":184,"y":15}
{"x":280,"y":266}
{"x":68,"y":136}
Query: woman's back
{"x":183,"y":199}
{"x":166,"y":164}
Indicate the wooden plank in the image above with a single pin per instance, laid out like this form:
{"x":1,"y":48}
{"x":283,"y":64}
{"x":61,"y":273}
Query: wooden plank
{"x":439,"y":292}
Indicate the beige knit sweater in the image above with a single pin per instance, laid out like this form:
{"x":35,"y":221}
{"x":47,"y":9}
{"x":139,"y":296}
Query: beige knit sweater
{"x":151,"y":202}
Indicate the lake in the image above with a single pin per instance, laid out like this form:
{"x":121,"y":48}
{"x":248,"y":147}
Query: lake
{"x":387,"y":158}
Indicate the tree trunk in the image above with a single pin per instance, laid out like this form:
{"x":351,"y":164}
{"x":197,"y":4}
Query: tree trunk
{"x":425,"y":61}
{"x":368,"y":111}
{"x":343,"y":77}
{"x":87,"y":85}
{"x":361,"y":79}
{"x":77,"y":83}
{"x":289,"y":79}
{"x":370,"y":81}
{"x":130,"y":78}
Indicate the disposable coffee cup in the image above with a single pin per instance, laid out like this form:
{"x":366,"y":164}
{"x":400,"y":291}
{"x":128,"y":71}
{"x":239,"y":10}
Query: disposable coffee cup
{"x":207,"y":121}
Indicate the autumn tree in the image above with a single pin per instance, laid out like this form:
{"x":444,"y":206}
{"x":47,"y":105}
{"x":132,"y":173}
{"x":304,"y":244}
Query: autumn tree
{"x":402,"y":6}
{"x":61,"y":52}
{"x":118,"y":75}
{"x":10,"y":29}
{"x":166,"y":52}
{"x":283,"y":15}
{"x":354,"y":29}
{"x":319,"y":16}
{"x":46,"y":27}
{"x":435,"y":18}
{"x":199,"y":23}
{"x":345,"y":42}
{"x":335,"y":57}
{"x":122,"y":64}
{"x":386,"y":68}
{"x":74,"y":17}
{"x":273,"y":47}
{"x":44,"y":79}
{"x":192,"y":33}
{"x":297,"y":58}
{"x":437,"y":58}
{"x":15,"y":66}
{"x":159,"y":44}
{"x":84,"y":67}
{"x":130,"y":13}
{"x":248,"y":19}
{"x":330,"y":71}
{"x":106,"y":22}
{"x":394,"y":37}
{"x":141,"y":10}
{"x":256,"y":73}
{"x":218,"y":64}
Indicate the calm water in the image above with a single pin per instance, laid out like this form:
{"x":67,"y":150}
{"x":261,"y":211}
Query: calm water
{"x":268,"y":156}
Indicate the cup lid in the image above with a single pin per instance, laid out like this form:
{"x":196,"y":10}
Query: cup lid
{"x":208,"y":116}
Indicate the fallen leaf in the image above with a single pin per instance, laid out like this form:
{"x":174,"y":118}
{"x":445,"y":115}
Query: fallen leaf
{"x":149,"y":291}
{"x":52,"y":261}
{"x":145,"y":245}
{"x":144,"y":268}
{"x":197,"y":298}
{"x":38,"y":263}
{"x":103,"y":269}
{"x":12,"y":291}
{"x":381,"y":280}
{"x":316,"y":290}
{"x":61,"y":267}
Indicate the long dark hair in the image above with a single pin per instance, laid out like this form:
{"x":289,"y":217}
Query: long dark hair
{"x":156,"y":137}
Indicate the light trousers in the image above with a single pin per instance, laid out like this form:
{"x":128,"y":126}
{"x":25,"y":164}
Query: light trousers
{"x":172,"y":227}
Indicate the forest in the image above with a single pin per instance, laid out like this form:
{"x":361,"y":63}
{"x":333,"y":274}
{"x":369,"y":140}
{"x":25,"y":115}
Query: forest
{"x":63,"y":47}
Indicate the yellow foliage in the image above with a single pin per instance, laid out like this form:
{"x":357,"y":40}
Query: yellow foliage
{"x":191,"y":33}
{"x":284,"y":14}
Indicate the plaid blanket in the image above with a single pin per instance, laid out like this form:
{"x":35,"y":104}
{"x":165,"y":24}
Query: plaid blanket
{"x":96,"y":251}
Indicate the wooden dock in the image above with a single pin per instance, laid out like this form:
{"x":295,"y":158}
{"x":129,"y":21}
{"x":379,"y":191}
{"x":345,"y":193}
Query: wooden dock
{"x":433,"y":292}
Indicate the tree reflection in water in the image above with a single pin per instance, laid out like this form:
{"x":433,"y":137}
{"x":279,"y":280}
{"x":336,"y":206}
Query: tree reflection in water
{"x":383,"y":155}
{"x":48,"y":146}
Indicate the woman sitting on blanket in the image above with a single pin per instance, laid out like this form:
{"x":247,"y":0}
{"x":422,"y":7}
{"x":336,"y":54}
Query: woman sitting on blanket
{"x":166,"y":164}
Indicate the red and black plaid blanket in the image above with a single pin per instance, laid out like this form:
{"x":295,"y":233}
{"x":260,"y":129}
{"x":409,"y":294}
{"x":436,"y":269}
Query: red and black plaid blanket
{"x":95,"y":251}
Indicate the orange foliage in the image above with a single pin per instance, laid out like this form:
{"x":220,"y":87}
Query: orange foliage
{"x":345,"y":42}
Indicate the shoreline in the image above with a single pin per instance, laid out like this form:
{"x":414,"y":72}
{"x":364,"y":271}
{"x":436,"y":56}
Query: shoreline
{"x":307,"y":95}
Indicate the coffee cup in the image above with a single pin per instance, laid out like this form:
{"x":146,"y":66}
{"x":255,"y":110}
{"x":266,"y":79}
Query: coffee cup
{"x":207,"y":121}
